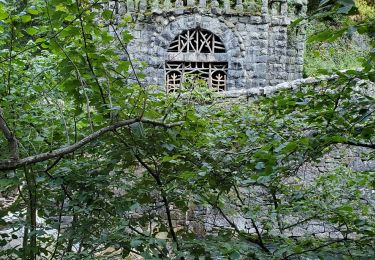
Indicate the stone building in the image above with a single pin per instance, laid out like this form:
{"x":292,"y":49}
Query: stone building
{"x":231,"y":44}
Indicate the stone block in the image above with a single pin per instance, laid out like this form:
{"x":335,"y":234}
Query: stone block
{"x":274,"y":82}
{"x":239,"y":27}
{"x":263,"y":44}
{"x":263,"y":36}
{"x":262,"y":58}
{"x":273,"y":59}
{"x":236,"y":74}
{"x":275,"y":21}
{"x":259,"y":75}
{"x":253,"y":35}
{"x":249,"y":66}
{"x":300,"y":46}
{"x":265,"y":19}
{"x":244,"y":19}
{"x":291,"y":52}
{"x":282,"y":37}
{"x":136,"y":34}
{"x":255,"y":20}
{"x":262,"y":82}
{"x":257,"y":46}
{"x":280,"y":44}
{"x":260,"y":68}
{"x":283,"y":59}
{"x":283,"y":75}
{"x":237,"y":66}
{"x":299,"y":61}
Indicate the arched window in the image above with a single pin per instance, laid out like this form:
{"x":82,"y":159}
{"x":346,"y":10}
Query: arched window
{"x":196,"y":46}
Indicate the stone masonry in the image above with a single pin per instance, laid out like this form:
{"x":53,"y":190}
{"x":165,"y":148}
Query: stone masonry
{"x":261,"y":49}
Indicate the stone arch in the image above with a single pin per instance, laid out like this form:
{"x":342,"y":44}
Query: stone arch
{"x":196,"y":53}
{"x":213,"y":25}
{"x":197,"y":40}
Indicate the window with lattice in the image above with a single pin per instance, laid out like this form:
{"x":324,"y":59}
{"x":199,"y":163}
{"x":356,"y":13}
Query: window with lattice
{"x":200,"y":42}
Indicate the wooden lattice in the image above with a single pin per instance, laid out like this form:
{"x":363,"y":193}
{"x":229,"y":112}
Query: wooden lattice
{"x":214,"y":73}
{"x":197,"y":40}
{"x":200,"y":42}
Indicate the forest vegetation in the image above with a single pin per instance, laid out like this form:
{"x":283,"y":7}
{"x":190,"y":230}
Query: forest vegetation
{"x":97,"y":164}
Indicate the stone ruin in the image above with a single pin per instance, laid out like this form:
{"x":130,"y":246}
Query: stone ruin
{"x":231,"y":44}
{"x":245,"y":48}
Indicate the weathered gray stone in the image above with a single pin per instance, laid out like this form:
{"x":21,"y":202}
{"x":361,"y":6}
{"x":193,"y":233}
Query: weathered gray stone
{"x":260,"y":49}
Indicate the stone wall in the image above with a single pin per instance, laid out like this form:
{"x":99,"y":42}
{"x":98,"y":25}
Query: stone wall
{"x":261,"y":49}
{"x":341,"y":157}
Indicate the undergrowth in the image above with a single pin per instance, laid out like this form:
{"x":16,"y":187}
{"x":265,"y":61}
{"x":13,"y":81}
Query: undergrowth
{"x":344,"y":53}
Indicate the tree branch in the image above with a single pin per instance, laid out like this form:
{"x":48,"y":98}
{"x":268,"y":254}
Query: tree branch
{"x":372,"y":146}
{"x":260,"y":239}
{"x":314,"y":249}
{"x":238,"y":231}
{"x":91,"y":67}
{"x":13,"y":164}
{"x":12,"y":140}
{"x":156,"y":176}
{"x":52,"y":36}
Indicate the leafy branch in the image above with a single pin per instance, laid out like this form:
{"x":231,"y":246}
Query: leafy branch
{"x":13,"y":164}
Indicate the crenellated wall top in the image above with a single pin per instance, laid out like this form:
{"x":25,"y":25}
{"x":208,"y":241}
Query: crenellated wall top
{"x":144,"y":8}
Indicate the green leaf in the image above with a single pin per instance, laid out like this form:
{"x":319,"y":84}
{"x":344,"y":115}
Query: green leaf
{"x":135,"y":243}
{"x":62,"y":8}
{"x":69,"y":18}
{"x":107,"y":14}
{"x":123,"y":66}
{"x":32,"y":11}
{"x":3,"y":14}
{"x":368,"y":132}
{"x":44,"y":46}
{"x":26,"y":18}
{"x":7,"y":182}
{"x":187,"y":175}
{"x":31,"y":31}
{"x":127,"y":37}
{"x":260,"y":166}
{"x":346,"y":2}
{"x":201,"y":173}
{"x":127,"y":19}
{"x":138,"y":130}
{"x":320,"y":36}
{"x":39,"y":40}
{"x":291,"y":146}
{"x":346,"y":208}
{"x":264,"y":179}
{"x":170,"y":159}
{"x":345,"y":9}
{"x":39,"y":139}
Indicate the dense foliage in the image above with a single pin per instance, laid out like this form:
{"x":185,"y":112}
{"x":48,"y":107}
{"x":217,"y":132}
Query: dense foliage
{"x":107,"y":167}
{"x":345,"y":52}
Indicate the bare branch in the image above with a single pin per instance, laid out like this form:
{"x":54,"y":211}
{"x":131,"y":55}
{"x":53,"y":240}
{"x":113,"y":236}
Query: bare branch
{"x":13,"y":164}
